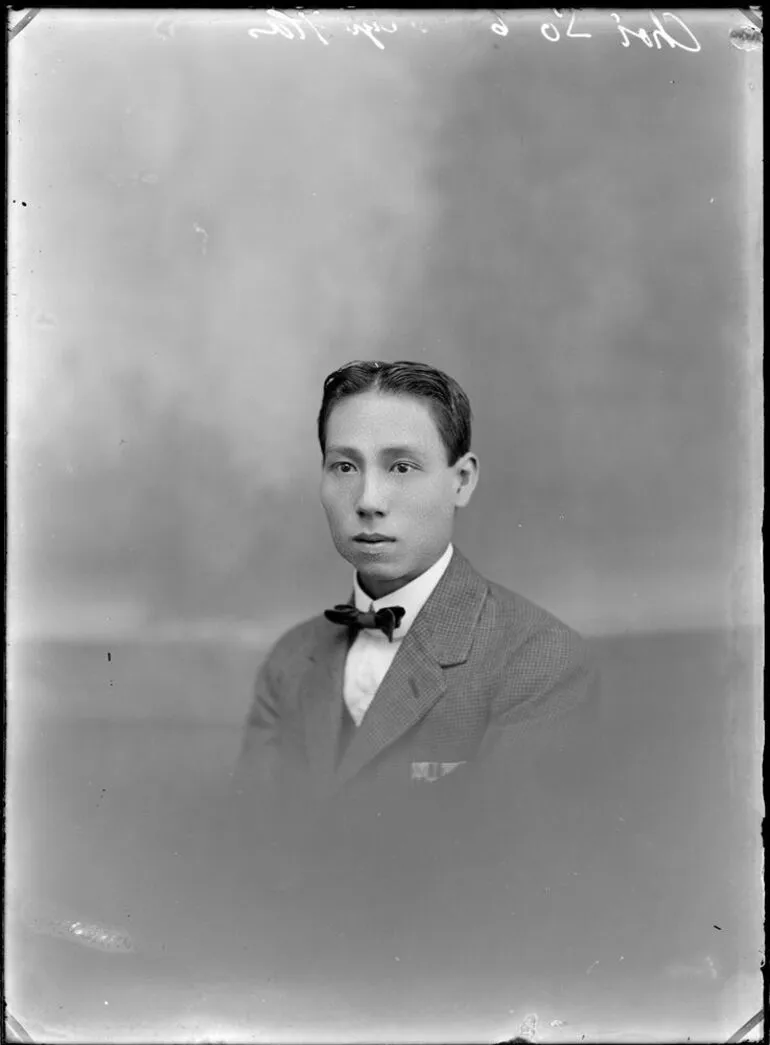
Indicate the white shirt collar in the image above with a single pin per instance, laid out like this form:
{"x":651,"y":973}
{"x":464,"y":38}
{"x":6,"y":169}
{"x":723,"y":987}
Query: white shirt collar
{"x":412,"y":596}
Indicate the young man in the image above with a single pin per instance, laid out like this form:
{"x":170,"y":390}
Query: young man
{"x":430,"y":672}
{"x":396,"y":753}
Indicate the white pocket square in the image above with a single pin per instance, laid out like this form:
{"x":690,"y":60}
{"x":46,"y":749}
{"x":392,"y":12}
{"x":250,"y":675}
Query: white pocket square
{"x":431,"y":771}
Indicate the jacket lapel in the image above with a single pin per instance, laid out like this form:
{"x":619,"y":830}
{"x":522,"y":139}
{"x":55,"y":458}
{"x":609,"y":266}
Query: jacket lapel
{"x":440,"y":636}
{"x":412,"y":685}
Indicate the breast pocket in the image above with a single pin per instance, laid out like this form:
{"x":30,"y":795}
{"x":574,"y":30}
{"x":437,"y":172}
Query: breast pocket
{"x":431,"y":772}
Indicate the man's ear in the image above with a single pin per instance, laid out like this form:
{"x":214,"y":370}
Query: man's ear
{"x":466,"y":470}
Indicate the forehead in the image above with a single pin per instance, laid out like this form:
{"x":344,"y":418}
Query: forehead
{"x":370,"y":419}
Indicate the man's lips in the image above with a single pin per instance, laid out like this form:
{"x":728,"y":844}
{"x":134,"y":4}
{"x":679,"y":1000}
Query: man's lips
{"x":372,"y":538}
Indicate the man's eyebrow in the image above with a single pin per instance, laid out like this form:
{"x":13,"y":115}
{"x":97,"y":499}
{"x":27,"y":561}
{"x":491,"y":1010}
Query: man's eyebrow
{"x":386,"y":451}
{"x":343,"y":451}
{"x":399,"y":451}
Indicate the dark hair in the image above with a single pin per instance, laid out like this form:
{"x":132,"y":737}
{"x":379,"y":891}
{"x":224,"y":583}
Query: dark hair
{"x":448,"y":403}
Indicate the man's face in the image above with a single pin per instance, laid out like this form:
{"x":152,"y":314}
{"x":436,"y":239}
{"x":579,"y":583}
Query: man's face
{"x":386,"y":475}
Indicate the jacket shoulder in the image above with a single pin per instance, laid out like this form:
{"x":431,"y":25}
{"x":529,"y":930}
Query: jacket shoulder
{"x":517,"y":633}
{"x":517,"y":615}
{"x":546,"y":665}
{"x":297,"y":641}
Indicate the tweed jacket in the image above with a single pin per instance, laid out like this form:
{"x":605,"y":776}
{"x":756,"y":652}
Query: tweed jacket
{"x":457,"y":787}
{"x":481,"y":677}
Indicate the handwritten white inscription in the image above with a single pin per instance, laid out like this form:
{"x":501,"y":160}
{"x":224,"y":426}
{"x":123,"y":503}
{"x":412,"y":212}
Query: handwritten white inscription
{"x":369,"y":29}
{"x":281,"y":24}
{"x":551,"y":33}
{"x":684,"y":38}
{"x":293,"y":27}
{"x":666,"y":29}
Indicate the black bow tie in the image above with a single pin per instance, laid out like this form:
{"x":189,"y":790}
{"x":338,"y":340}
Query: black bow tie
{"x":386,"y":620}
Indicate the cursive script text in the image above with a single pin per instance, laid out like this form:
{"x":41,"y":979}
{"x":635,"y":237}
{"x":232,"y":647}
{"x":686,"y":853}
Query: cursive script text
{"x":297,"y":27}
{"x":677,"y":35}
{"x":281,"y":24}
{"x":660,"y":34}
{"x":666,"y":29}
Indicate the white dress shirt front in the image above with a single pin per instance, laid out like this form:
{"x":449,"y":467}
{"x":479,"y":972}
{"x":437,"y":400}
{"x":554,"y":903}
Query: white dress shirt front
{"x":371,"y":654}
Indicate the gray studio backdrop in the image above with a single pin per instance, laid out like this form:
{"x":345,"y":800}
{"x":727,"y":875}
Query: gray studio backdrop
{"x":204,"y":223}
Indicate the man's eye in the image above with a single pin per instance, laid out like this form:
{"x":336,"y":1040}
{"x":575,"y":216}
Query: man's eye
{"x":403,"y":467}
{"x":342,"y":466}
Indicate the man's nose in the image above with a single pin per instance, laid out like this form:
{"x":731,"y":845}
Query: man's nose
{"x":371,"y":497}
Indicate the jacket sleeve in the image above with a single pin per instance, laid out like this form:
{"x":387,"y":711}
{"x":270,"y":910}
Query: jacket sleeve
{"x":259,"y":760}
{"x":269,"y":776}
{"x":527,"y":794}
{"x":547,"y":697}
{"x":262,"y":806}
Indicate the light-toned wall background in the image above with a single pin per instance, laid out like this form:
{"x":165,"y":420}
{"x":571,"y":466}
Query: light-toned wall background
{"x":213,"y":222}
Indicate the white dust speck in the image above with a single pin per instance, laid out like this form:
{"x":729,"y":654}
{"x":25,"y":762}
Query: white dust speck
{"x":164,"y":29}
{"x":202,"y":232}
{"x":528,"y":1028}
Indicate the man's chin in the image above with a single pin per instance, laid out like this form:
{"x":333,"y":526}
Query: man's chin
{"x":377,"y":568}
{"x":378,"y":560}
{"x":380,"y":579}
